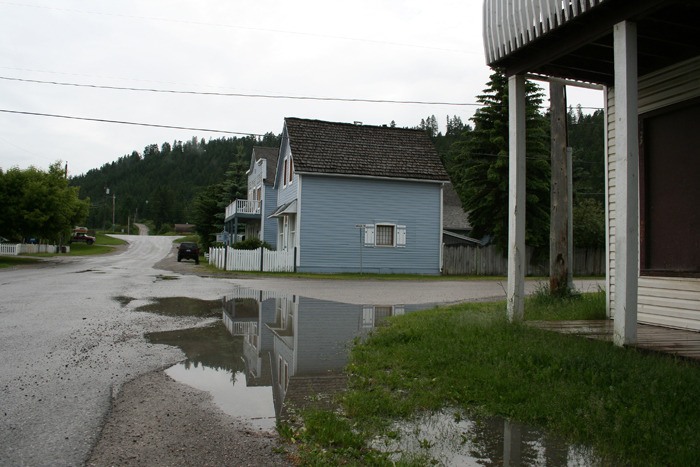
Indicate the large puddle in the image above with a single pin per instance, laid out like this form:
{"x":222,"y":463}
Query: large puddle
{"x":272,"y":354}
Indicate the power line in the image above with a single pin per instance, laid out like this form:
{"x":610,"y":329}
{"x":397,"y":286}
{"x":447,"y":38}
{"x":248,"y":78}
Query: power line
{"x":228,"y":94}
{"x":258,"y":96}
{"x":122,"y":122}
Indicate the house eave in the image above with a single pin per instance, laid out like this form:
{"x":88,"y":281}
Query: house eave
{"x":580,"y":46}
{"x":374,"y":177}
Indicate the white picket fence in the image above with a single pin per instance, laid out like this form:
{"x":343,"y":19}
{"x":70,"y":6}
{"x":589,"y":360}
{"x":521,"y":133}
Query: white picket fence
{"x":261,"y":259}
{"x":14,"y":249}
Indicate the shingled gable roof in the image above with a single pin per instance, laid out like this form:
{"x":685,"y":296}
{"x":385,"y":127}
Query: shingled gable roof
{"x":363,"y":150}
{"x":271,"y":155}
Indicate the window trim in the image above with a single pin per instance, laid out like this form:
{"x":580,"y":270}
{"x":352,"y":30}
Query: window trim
{"x":371,"y":235}
{"x":376,"y":235}
{"x":288,"y":171}
{"x":645,"y":156}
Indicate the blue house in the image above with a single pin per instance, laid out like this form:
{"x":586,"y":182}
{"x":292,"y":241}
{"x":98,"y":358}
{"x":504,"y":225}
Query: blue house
{"x":248,"y":218}
{"x":359,"y":198}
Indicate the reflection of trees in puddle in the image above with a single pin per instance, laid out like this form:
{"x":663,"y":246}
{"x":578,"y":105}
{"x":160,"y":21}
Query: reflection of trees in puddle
{"x":212,"y":347}
{"x":448,"y":439}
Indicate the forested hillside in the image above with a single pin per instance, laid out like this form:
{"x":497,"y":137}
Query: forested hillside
{"x":160,"y":183}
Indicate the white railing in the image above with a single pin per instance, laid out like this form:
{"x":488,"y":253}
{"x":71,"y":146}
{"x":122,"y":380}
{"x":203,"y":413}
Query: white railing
{"x":243,"y":206}
{"x":29,"y":248}
{"x":257,"y":295}
{"x":261,"y":259}
{"x":511,"y":24}
{"x":240,"y":328}
{"x":9,"y":248}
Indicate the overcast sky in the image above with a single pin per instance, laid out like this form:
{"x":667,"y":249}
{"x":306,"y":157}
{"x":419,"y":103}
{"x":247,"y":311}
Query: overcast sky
{"x":364,"y":49}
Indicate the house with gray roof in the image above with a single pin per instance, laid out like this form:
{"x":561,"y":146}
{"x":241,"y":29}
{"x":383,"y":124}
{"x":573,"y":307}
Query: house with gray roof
{"x":248,"y":218}
{"x":359,"y":198}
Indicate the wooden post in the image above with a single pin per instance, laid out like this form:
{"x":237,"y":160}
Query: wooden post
{"x":627,"y":183}
{"x":570,"y":210}
{"x":516,"y":198}
{"x":559,"y":263}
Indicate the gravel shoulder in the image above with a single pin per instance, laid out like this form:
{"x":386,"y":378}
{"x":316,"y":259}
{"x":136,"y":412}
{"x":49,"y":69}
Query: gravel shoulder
{"x":157,"y":421}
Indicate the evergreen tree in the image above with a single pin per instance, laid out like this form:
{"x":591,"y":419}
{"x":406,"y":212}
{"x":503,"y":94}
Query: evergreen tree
{"x":479,"y":166}
{"x":207,"y":214}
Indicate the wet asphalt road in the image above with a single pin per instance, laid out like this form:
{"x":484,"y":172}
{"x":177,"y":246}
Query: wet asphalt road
{"x":67,"y":344}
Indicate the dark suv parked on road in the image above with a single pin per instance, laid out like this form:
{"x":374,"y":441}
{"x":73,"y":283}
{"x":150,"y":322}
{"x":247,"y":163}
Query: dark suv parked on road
{"x":188,"y":250}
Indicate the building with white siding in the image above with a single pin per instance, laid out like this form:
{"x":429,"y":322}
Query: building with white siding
{"x":646,"y":55}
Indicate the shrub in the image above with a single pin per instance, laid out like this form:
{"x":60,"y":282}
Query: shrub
{"x":251,"y":244}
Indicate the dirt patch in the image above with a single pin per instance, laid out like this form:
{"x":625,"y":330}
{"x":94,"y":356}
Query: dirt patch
{"x":157,"y":421}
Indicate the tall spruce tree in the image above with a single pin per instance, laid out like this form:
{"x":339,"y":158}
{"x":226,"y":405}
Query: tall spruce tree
{"x":479,"y":166}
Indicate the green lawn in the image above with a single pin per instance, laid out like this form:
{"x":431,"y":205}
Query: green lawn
{"x":636,"y":408}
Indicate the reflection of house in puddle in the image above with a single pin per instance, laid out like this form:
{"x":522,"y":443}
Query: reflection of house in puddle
{"x":299,"y":345}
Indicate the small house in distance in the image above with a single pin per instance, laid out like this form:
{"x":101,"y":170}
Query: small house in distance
{"x":359,"y":198}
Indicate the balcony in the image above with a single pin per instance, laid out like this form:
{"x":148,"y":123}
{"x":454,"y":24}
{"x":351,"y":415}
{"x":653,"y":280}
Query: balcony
{"x":243,"y":209}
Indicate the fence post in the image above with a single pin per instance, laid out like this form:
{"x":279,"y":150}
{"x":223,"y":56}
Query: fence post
{"x":262,"y":256}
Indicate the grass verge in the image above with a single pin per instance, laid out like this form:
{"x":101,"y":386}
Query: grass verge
{"x":103,"y":244}
{"x":634,"y":407}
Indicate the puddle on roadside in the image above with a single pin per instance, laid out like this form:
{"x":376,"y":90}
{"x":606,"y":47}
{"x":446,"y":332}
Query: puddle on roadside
{"x":448,"y":438}
{"x":183,"y":306}
{"x":273,"y":354}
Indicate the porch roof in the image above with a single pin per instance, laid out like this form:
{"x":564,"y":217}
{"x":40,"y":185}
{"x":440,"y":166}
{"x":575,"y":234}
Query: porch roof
{"x":288,"y":208}
{"x":572,"y":39}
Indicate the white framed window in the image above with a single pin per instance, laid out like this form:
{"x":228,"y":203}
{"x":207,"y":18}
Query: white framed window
{"x":385,"y":235}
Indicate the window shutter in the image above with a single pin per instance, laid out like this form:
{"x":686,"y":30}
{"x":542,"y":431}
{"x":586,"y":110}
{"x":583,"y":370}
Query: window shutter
{"x":400,"y":235}
{"x":369,"y":235}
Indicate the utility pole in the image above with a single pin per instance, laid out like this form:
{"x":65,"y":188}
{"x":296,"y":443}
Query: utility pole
{"x":559,"y":257}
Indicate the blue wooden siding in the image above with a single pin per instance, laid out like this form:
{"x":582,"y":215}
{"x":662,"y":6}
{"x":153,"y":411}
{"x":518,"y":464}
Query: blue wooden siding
{"x":269,"y":233}
{"x":325,"y":329}
{"x":288,"y":193}
{"x":331,"y":207}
